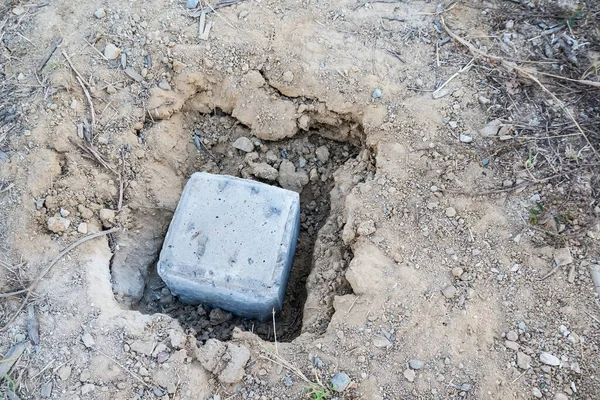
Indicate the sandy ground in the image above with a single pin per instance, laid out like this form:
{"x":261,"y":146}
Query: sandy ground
{"x":423,"y":269}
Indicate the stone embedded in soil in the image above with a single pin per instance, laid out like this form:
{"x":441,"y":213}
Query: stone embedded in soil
{"x":322,"y":154}
{"x":46,"y":390}
{"x":142,"y":347}
{"x":85,"y":375}
{"x":178,"y":66}
{"x":457,"y":272}
{"x":18,"y":11}
{"x":463,"y":137}
{"x":537,"y":393}
{"x":561,"y":396}
{"x":339,"y":382}
{"x":82,"y":228}
{"x":491,"y":129}
{"x":563,"y":256}
{"x":288,"y":76}
{"x":100,"y":13}
{"x":209,"y":355}
{"x":237,"y":357}
{"x":449,"y":291}
{"x":512,"y":336}
{"x":58,"y":224}
{"x":264,"y":171}
{"x":511,"y":345}
{"x":416,"y":364}
{"x":177,"y":339}
{"x":133,"y":74}
{"x":164,"y":85}
{"x":243,"y":144}
{"x":450,"y":212}
{"x":291,"y":179}
{"x":410,"y":375}
{"x":107,"y":217}
{"x":64,"y":372}
{"x":87,"y":388}
{"x":523,"y":360}
{"x":88,"y":340}
{"x":381,"y":342}
{"x":111,"y":51}
{"x":549,"y":359}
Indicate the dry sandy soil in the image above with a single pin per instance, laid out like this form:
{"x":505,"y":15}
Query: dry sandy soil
{"x":441,"y":256}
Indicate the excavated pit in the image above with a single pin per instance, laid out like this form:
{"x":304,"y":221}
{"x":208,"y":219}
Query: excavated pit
{"x":326,"y":170}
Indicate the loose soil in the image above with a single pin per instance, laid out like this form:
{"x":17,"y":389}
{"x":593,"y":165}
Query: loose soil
{"x":448,"y":239}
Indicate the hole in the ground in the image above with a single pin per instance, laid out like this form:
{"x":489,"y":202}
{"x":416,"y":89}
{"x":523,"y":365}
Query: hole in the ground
{"x":316,"y":157}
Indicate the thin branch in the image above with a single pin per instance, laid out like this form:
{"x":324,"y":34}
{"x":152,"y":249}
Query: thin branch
{"x":51,"y":264}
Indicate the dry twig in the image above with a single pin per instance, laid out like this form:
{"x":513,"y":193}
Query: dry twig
{"x":85,"y":90}
{"x":528,"y":73}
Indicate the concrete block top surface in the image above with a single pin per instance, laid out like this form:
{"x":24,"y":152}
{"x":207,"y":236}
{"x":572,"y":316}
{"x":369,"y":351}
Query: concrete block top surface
{"x":231,"y":243}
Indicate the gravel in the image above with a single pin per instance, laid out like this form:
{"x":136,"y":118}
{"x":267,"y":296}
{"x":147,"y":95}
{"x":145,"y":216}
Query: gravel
{"x":340,"y":382}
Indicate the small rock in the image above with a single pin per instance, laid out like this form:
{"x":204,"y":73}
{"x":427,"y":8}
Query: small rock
{"x":157,"y":392}
{"x":64,"y":372}
{"x":381,"y":342}
{"x":133,"y":74}
{"x":512,"y":336}
{"x":563,"y":257}
{"x":288,"y":381}
{"x":218,"y":316}
{"x":463,"y":137}
{"x":164,"y":85}
{"x":322,"y":154}
{"x":46,"y":390}
{"x":484,"y":101}
{"x":410,"y":375}
{"x":318,"y":363}
{"x":264,"y":171}
{"x":244,"y":144}
{"x":377,"y":94}
{"x":288,"y":76}
{"x":178,"y":66}
{"x":107,"y":217}
{"x":416,"y":364}
{"x":491,"y":129}
{"x":191,"y":3}
{"x":87,"y":388}
{"x":243,"y":14}
{"x":561,"y":396}
{"x":457,"y":272}
{"x":110,"y":89}
{"x":64,"y":213}
{"x":507,"y":183}
{"x":339,"y":382}
{"x":88,"y":340}
{"x":512,"y":345}
{"x":291,"y":179}
{"x":449,"y":291}
{"x":18,"y":11}
{"x":450,"y":212}
{"x":58,"y":224}
{"x":85,"y":375}
{"x":82,"y":228}
{"x":162,"y":357}
{"x":537,"y":393}
{"x":549,"y":359}
{"x":100,"y":13}
{"x":111,"y":51}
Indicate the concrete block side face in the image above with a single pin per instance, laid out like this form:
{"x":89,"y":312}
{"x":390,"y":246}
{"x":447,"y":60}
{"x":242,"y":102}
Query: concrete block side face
{"x":231,"y":244}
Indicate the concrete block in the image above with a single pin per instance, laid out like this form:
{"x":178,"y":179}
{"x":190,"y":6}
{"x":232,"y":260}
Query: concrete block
{"x":231,"y":244}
